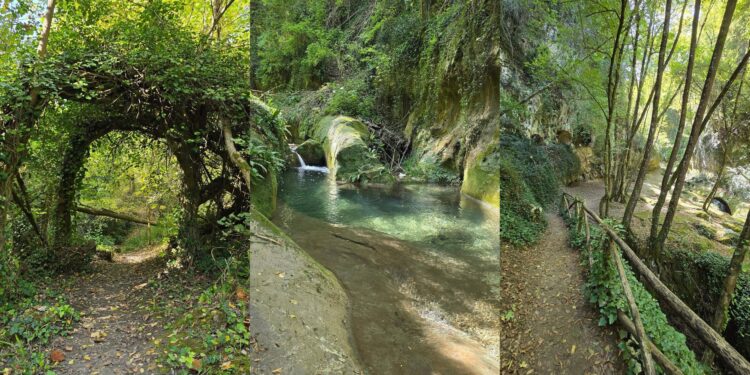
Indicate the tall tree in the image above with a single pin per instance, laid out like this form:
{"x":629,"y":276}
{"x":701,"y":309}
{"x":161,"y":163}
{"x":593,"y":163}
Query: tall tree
{"x":681,"y":122}
{"x":17,"y":131}
{"x":630,"y":207}
{"x":657,"y":244}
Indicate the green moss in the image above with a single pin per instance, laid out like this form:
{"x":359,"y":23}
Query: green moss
{"x":264,"y":194}
{"x":345,"y":144}
{"x":482,"y":178}
{"x":311,"y":152}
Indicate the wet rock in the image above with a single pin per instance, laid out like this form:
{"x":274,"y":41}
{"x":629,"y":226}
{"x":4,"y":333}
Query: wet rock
{"x":345,"y":142}
{"x":312,"y":152}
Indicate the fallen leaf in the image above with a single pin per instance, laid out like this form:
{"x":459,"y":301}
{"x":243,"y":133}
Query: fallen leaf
{"x":573,"y":349}
{"x":68,"y":348}
{"x":277,"y":371}
{"x":56,"y":355}
{"x":280,"y":274}
{"x":240,"y":294}
{"x":98,"y":336}
{"x":86,"y":357}
{"x":196,"y":365}
{"x":523,"y":364}
{"x":226,"y":365}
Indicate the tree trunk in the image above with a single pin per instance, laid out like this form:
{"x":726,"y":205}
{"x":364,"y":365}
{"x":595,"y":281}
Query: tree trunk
{"x":73,"y":160}
{"x":613,"y":79}
{"x":656,"y":214}
{"x":635,"y":195}
{"x":114,"y":215}
{"x":719,"y":176}
{"x":16,"y":138}
{"x":721,"y":315}
{"x":697,"y":127}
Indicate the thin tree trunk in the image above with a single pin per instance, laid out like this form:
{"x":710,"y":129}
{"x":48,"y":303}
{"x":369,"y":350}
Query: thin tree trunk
{"x":616,"y":192}
{"x":717,"y":183}
{"x":16,"y":138}
{"x":635,"y":195}
{"x":656,"y":214}
{"x":613,"y":80}
{"x":697,"y":127}
{"x":721,"y":315}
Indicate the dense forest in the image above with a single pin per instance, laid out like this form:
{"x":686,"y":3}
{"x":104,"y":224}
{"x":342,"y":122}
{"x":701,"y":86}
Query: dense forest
{"x":187,"y":185}
{"x":624,"y":186}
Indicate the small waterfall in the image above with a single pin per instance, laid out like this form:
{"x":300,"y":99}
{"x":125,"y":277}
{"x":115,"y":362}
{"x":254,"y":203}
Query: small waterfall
{"x":302,"y":165}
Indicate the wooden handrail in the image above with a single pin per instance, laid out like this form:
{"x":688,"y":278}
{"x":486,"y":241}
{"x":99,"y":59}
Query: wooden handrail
{"x":730,"y":356}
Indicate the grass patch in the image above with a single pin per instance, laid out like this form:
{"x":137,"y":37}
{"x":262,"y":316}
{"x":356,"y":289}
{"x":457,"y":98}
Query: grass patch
{"x":143,"y":237}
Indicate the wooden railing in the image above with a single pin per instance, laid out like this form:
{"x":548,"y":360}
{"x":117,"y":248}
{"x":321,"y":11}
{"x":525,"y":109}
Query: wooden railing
{"x":649,"y":351}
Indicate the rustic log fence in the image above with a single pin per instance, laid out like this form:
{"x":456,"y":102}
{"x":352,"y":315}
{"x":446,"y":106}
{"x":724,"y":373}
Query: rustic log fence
{"x":649,"y":351}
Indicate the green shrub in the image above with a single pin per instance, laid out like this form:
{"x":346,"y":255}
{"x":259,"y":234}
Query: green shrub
{"x":604,"y":290}
{"x":212,"y":336}
{"x":521,"y":222}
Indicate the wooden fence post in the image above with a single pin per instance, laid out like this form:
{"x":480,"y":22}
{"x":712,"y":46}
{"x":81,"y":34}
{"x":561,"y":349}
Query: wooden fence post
{"x":648,"y":363}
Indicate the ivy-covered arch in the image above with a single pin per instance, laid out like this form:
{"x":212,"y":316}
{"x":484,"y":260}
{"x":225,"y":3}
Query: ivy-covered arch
{"x":198,"y":141}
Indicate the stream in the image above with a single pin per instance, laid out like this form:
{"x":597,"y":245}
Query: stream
{"x":419,"y":263}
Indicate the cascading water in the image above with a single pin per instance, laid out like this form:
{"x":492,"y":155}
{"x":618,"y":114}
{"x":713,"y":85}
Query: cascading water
{"x":302,"y":165}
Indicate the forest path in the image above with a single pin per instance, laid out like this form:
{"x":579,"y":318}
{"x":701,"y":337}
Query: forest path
{"x":553,"y":329}
{"x":119,"y":320}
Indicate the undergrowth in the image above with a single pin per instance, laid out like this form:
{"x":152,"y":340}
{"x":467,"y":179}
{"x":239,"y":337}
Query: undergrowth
{"x":27,"y":325}
{"x":604,"y":290}
{"x":530,"y":178}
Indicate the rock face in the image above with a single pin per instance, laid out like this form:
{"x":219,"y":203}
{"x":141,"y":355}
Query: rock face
{"x":345,"y":144}
{"x":264,"y":194}
{"x":312,"y":152}
{"x":482,"y":174}
{"x":298,"y":310}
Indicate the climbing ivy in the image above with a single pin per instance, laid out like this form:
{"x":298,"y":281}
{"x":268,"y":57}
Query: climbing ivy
{"x":604,"y":290}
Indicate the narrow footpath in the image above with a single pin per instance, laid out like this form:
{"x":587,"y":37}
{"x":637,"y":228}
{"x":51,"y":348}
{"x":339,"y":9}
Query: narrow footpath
{"x":119,"y":318}
{"x":548,"y":327}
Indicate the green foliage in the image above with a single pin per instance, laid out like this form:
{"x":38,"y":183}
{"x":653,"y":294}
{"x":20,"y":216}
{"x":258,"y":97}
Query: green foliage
{"x":143,"y":237}
{"x":213,"y":337}
{"x":430,"y":171}
{"x":530,"y":178}
{"x":27,"y":326}
{"x":521,"y":221}
{"x":604,"y":290}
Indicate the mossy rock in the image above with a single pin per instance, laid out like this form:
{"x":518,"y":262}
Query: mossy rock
{"x":345,"y":142}
{"x":265,"y":193}
{"x":482,"y":176}
{"x":312,"y":152}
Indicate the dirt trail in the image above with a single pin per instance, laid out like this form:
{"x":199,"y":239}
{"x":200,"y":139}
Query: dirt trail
{"x":552,"y":328}
{"x":116,"y":329}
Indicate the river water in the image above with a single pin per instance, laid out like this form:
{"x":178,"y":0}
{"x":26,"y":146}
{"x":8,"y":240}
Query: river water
{"x":420,"y":264}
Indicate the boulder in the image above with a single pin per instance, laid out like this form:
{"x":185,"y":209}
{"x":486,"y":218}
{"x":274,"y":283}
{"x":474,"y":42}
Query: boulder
{"x":299,"y":310}
{"x":345,"y":142}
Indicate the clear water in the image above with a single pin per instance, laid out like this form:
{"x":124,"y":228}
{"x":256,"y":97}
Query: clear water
{"x":439,"y":218}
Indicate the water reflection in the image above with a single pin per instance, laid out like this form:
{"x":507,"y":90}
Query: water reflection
{"x":439,"y":217}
